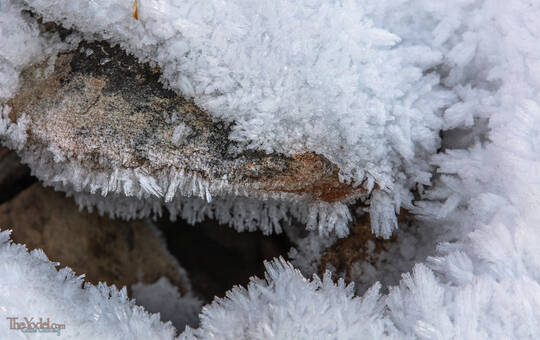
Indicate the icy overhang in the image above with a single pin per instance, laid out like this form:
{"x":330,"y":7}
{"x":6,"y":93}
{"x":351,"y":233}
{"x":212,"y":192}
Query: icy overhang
{"x":98,"y":122}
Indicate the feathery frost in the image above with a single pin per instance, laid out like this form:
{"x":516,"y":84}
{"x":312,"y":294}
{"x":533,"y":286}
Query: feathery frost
{"x":370,"y":85}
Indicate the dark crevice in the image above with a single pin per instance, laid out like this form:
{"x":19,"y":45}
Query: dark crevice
{"x":218,"y":257}
{"x":14,"y":176}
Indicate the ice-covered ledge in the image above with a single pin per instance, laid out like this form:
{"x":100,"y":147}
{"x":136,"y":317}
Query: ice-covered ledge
{"x":99,"y":125}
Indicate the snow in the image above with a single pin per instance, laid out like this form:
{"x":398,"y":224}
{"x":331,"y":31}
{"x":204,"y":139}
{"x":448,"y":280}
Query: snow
{"x":32,"y":287}
{"x":287,"y":306}
{"x":381,"y":79}
{"x":162,"y":297}
{"x":481,"y":281}
{"x":22,"y":44}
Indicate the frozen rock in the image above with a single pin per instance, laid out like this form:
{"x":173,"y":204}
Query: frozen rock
{"x":115,"y":138}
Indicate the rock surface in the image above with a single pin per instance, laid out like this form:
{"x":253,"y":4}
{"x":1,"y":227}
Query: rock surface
{"x":100,"y":106}
{"x":361,"y":245}
{"x":344,"y":253}
{"x":115,"y":252}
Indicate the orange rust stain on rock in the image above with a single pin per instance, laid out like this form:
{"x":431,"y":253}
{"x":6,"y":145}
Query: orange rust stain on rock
{"x":314,"y":175}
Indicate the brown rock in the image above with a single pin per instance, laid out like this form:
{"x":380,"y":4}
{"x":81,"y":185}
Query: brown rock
{"x":104,"y":108}
{"x":345,"y":252}
{"x":115,"y":252}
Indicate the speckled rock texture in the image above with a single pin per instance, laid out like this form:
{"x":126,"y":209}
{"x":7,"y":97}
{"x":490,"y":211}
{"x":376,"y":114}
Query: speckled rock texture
{"x":99,"y":125}
{"x":101,"y":106}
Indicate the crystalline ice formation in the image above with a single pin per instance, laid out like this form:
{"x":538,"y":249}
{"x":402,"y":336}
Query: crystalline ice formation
{"x":163,"y":297}
{"x":22,"y":44}
{"x":111,"y":130}
{"x":286,"y":305}
{"x":483,"y":281}
{"x":33,"y":287}
{"x":292,"y":77}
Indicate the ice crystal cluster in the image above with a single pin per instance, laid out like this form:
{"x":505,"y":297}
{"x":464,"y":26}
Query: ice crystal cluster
{"x":32,"y":287}
{"x":293,"y":77}
{"x":371,"y":85}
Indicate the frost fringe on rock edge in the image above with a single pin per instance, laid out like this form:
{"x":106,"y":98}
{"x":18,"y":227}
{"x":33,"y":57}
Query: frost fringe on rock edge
{"x":128,"y":193}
